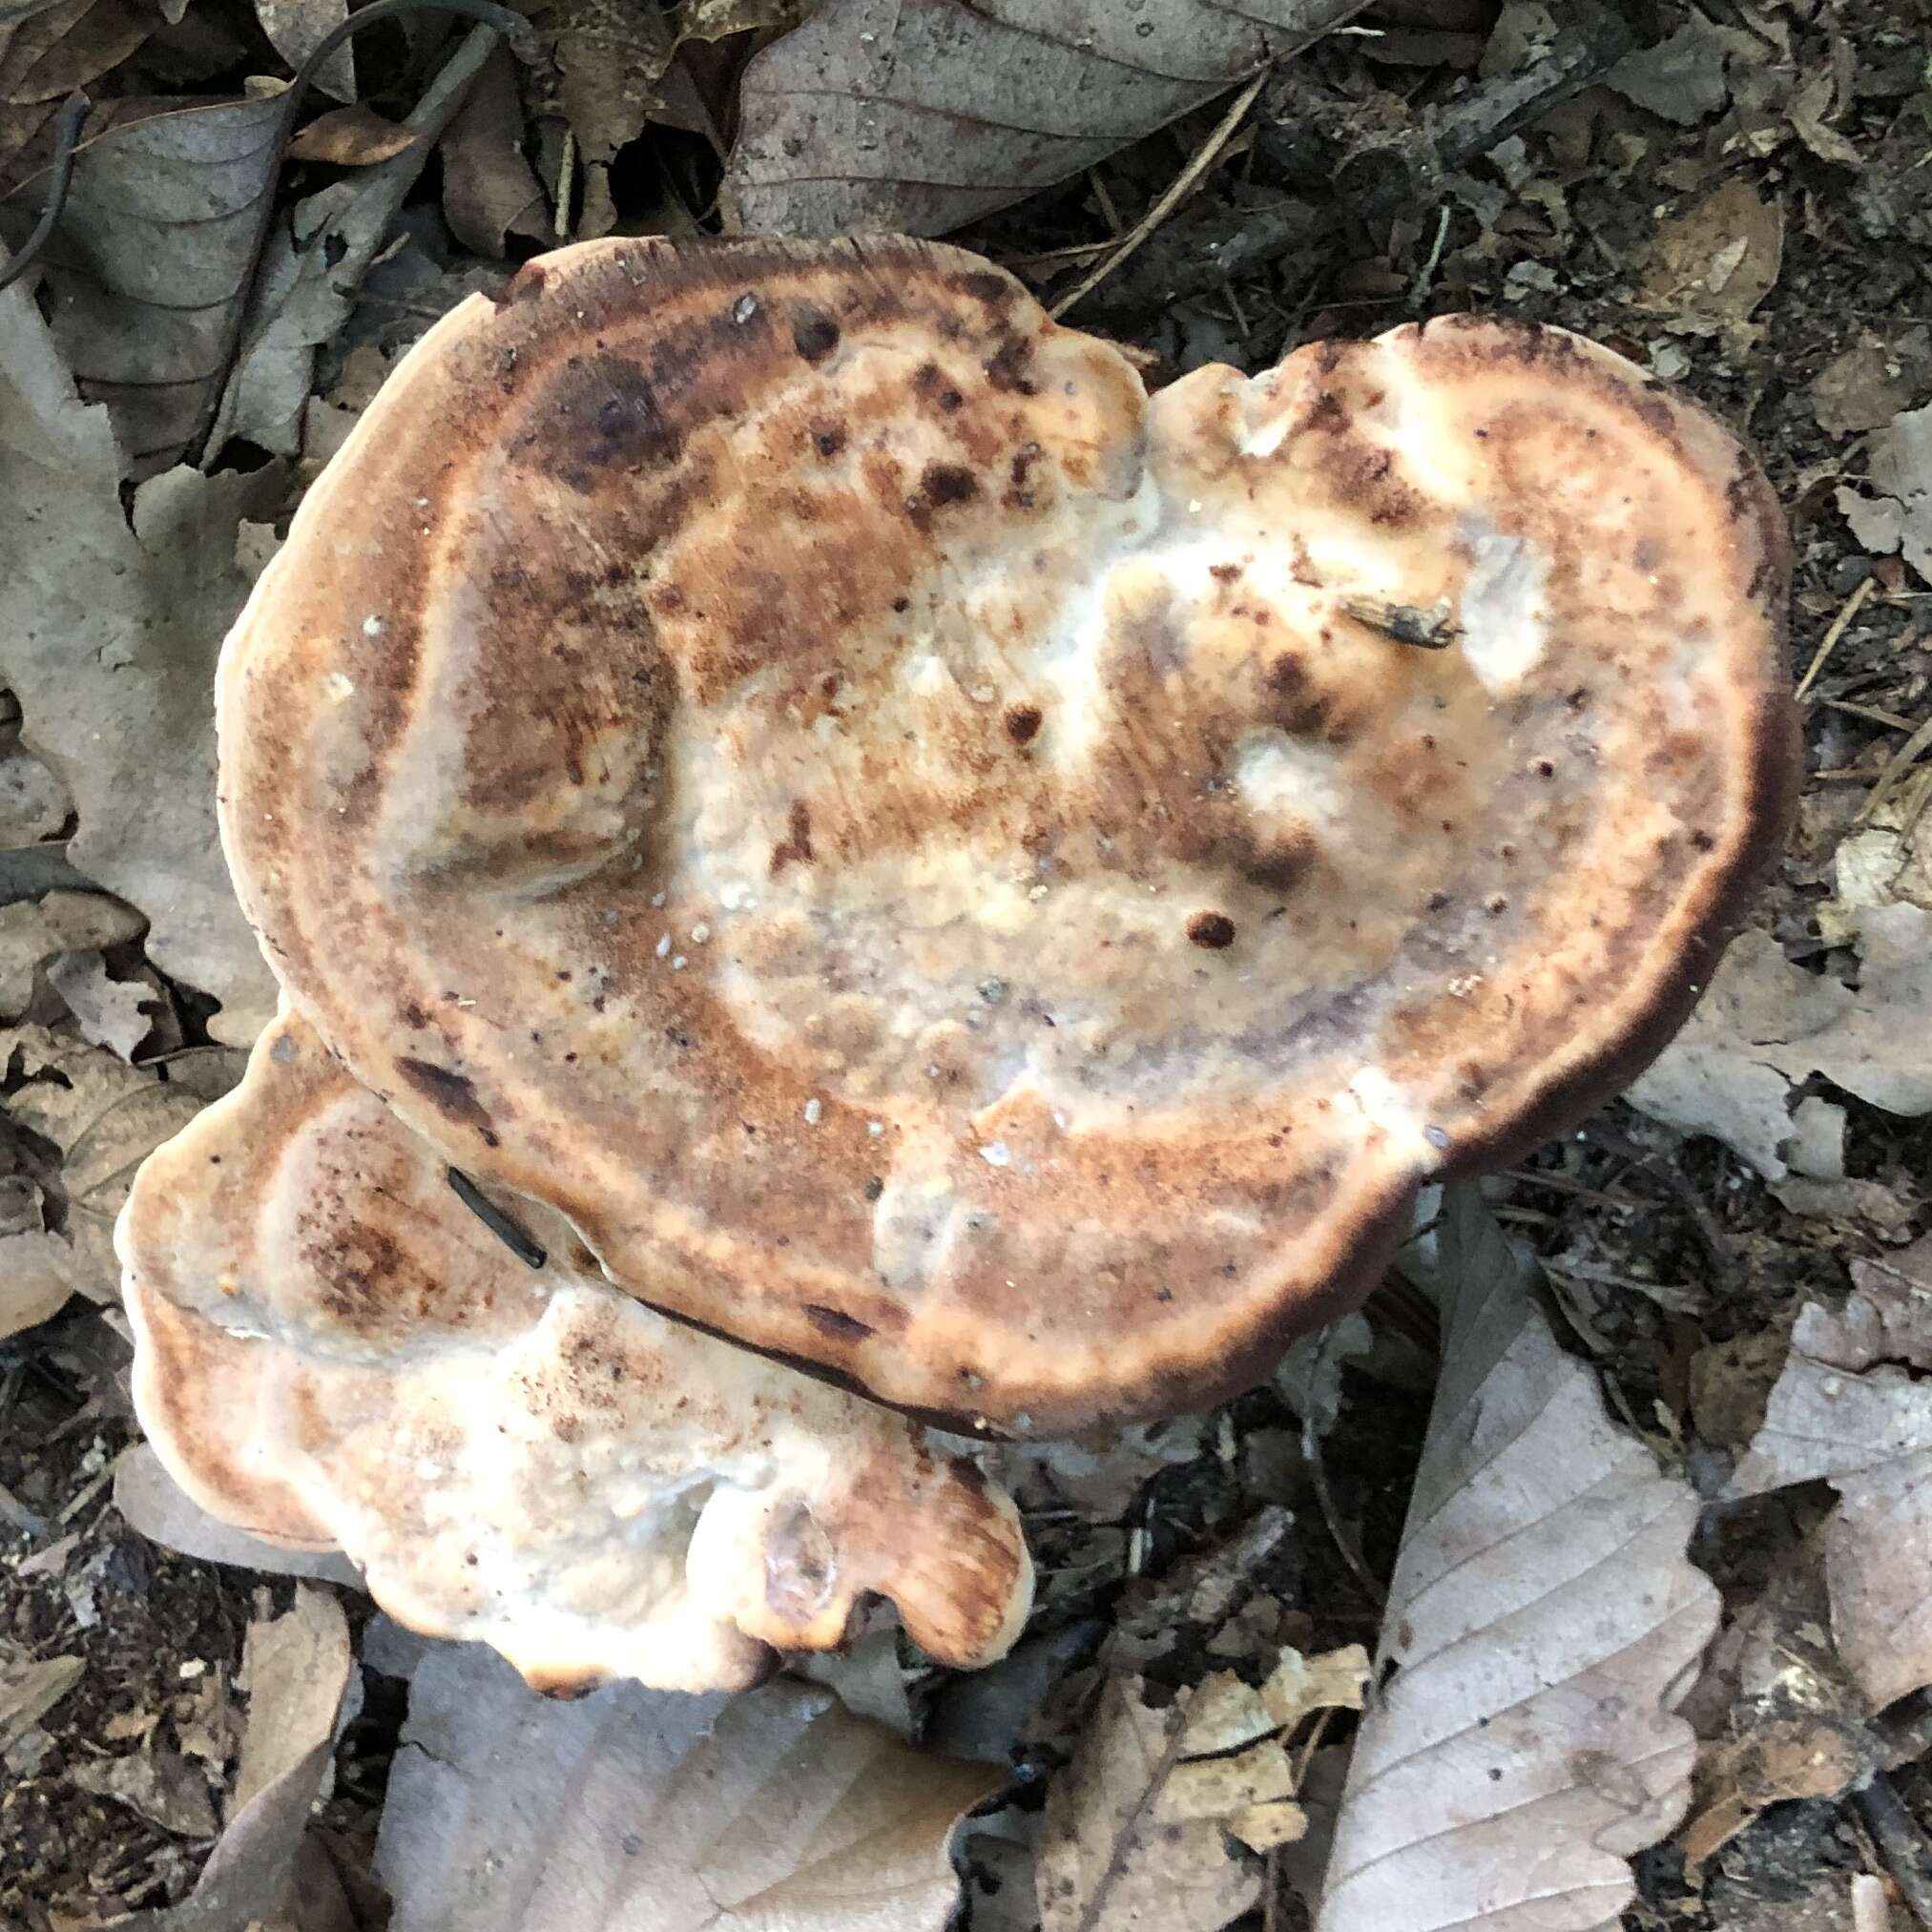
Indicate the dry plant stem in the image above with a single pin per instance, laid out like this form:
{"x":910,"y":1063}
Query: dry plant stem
{"x":1895,"y":769}
{"x":1902,"y":1845}
{"x":73,"y":114}
{"x":1318,"y":1475}
{"x":1130,"y":1835}
{"x":1181,"y":186}
{"x":1828,"y":642}
{"x":1869,"y":1911}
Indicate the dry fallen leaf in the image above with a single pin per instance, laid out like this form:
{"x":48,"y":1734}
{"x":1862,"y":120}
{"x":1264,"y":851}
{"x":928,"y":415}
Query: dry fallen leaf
{"x":1896,"y":516}
{"x":31,"y":1686}
{"x":918,"y":114}
{"x":776,"y":1811}
{"x":1717,"y":261}
{"x":1542,"y":1625}
{"x":47,"y":49}
{"x":1852,"y":1408}
{"x":314,"y":262}
{"x":32,"y":931}
{"x":104,"y":1118}
{"x":110,"y":646}
{"x":295,"y":1669}
{"x":349,"y":137}
{"x":296,"y":28}
{"x":155,"y":244}
{"x":1145,"y":1830}
{"x":162,"y":1786}
{"x":1766,"y":1025}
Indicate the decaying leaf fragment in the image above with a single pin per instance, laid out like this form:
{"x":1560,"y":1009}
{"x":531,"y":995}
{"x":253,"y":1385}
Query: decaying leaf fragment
{"x":1854,"y":1406}
{"x":776,"y":1811}
{"x":1894,"y":512}
{"x":1147,"y":1828}
{"x":1542,"y":1625}
{"x":1766,"y":1025}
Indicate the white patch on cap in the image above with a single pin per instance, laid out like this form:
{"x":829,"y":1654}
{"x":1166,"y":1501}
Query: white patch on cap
{"x":1279,"y":777}
{"x":1504,"y":615}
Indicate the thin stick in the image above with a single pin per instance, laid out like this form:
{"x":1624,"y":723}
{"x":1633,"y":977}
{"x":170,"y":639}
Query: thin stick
{"x":1871,"y":713}
{"x":73,"y":114}
{"x":1895,"y":769}
{"x":1181,"y":186}
{"x":1318,"y":1473}
{"x":1900,"y":1842}
{"x":1828,"y":642}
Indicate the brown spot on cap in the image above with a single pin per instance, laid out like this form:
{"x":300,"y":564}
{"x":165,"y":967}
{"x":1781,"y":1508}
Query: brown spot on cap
{"x":1215,"y":930}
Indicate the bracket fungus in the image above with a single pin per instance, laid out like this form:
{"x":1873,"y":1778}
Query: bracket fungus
{"x":332,"y":1349}
{"x":900,"y":851}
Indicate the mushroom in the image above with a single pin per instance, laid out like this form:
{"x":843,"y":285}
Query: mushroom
{"x":946,"y":870}
{"x":333,"y":1350}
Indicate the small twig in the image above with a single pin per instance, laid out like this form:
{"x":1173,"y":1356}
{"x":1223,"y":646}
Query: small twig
{"x":1177,"y":191}
{"x":1828,"y":642}
{"x":1870,"y":713}
{"x":1895,"y":769}
{"x":1900,"y":1842}
{"x":1317,"y":1476}
{"x":1130,"y":1830}
{"x":67,"y":129}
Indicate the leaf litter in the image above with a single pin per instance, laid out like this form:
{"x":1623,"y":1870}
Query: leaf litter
{"x":1695,"y":210}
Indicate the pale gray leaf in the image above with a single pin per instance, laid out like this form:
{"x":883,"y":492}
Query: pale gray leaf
{"x":1542,"y":1625}
{"x":1853,"y":1406}
{"x":110,"y":647}
{"x":296,"y":28}
{"x":640,"y":1811}
{"x":918,"y":114}
{"x":155,"y":1506}
{"x":149,"y":261}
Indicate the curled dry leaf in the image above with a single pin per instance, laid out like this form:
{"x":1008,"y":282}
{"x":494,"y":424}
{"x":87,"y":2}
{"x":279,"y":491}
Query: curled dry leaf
{"x":32,"y":931}
{"x":776,"y":1811}
{"x":150,"y":256}
{"x":1542,"y":1625}
{"x":349,"y":137}
{"x":255,"y":1873}
{"x":1718,"y":260}
{"x":1145,"y":1829}
{"x":295,"y":1669}
{"x":1852,"y":1408}
{"x":1766,"y":1025}
{"x":918,"y":114}
{"x":110,"y":647}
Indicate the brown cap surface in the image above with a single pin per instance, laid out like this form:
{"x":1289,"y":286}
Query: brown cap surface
{"x":333,"y":1349}
{"x":953,"y":872}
